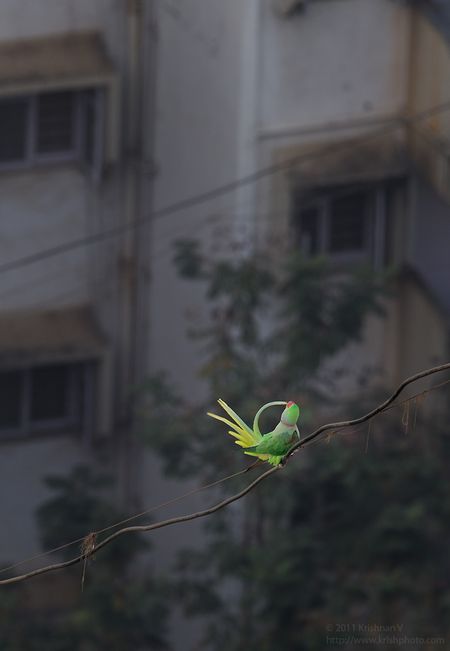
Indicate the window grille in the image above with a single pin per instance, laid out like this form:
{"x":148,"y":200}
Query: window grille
{"x":349,"y":223}
{"x":55,"y":126}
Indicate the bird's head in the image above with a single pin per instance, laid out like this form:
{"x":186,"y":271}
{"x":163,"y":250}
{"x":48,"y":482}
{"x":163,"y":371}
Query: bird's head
{"x":290,"y":414}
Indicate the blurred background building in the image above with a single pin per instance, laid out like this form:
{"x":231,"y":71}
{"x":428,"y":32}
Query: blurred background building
{"x":124,"y":126}
{"x":72,"y":162}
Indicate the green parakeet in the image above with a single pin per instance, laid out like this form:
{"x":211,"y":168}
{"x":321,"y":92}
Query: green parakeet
{"x":271,"y":447}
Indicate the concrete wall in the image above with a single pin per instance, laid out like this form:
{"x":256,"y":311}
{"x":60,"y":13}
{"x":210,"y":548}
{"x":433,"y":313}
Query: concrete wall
{"x":422,"y":335}
{"x":198,"y":87}
{"x":23,"y":466}
{"x":333,"y":62}
{"x":430,"y":50}
{"x":200,"y":143}
{"x":39,"y":210}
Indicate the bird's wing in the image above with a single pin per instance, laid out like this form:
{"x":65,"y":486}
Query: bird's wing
{"x":273,"y":444}
{"x":264,"y":446}
{"x":245,"y":437}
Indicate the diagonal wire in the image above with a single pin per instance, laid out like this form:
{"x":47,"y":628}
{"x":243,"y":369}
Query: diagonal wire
{"x":221,"y":190}
{"x":151,"y":509}
{"x":308,"y":440}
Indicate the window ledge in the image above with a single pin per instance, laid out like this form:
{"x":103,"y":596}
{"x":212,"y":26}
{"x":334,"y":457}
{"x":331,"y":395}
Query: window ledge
{"x":70,"y":60}
{"x":74,"y":167}
{"x":69,"y":334}
{"x":38,"y":436}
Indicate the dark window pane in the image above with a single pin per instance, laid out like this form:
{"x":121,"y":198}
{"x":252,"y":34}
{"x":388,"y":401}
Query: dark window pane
{"x":309,"y":231}
{"x":395,"y":209}
{"x":11,"y":392}
{"x":13,"y":130}
{"x":55,"y":122}
{"x":348,"y":222}
{"x":49,"y":393}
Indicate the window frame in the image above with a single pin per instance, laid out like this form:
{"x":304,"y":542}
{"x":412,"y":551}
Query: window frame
{"x":81,"y":98}
{"x":374,"y":222}
{"x":79,"y":416}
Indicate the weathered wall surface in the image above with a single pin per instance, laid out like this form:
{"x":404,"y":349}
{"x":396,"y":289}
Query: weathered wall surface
{"x":23,"y":467}
{"x":334,"y":62}
{"x":422,"y":336}
{"x":39,"y":210}
{"x":430,"y":51}
{"x":331,"y":77}
{"x":199,"y":137}
{"x":196,"y":149}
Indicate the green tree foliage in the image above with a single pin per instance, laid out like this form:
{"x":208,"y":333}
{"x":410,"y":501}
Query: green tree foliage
{"x":341,"y":536}
{"x":117,"y":610}
{"x":267,"y":335}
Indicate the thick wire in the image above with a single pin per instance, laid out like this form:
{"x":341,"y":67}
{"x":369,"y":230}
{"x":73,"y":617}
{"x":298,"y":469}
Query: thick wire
{"x":205,"y":512}
{"x":97,"y":532}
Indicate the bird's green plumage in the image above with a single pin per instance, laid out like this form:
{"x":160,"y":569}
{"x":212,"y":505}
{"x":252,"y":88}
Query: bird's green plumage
{"x":275,"y":443}
{"x":278,"y":442}
{"x":271,"y":447}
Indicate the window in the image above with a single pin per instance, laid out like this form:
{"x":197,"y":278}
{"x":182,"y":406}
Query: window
{"x":348,"y":223}
{"x":44,"y":398}
{"x":53,"y":126}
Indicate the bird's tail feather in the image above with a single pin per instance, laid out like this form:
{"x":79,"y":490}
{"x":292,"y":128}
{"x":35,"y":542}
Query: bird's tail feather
{"x":273,"y":460}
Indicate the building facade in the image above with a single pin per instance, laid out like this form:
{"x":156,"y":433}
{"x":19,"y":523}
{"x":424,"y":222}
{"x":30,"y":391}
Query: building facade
{"x":72,"y":101}
{"x":333,"y":105}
